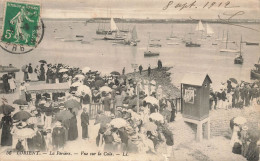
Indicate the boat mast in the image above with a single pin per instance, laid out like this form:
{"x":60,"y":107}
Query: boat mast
{"x":227,"y":40}
{"x":240,"y":46}
{"x":148,"y":41}
{"x":171,"y":31}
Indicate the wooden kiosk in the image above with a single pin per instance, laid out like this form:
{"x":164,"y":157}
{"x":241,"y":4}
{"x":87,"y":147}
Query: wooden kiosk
{"x":195,"y":90}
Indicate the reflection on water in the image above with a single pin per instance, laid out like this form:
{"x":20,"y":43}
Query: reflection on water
{"x":104,"y":56}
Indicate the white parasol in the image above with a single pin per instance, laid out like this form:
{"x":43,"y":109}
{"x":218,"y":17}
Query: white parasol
{"x":118,"y":122}
{"x":151,"y":100}
{"x":79,"y":76}
{"x":86,"y":69}
{"x":85,"y":89}
{"x":156,"y":117}
{"x":24,"y":133}
{"x":105,"y":89}
{"x":63,"y":70}
{"x":240,"y":120}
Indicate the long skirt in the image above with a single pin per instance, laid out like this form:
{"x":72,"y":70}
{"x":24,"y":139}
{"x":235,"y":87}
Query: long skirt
{"x":6,"y":137}
{"x":23,"y":96}
{"x":108,"y":148}
{"x":84,"y":132}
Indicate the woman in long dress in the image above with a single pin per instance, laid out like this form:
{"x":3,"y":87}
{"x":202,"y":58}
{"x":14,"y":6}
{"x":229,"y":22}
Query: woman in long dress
{"x":6,"y":124}
{"x":12,"y":84}
{"x":22,"y":91}
{"x":235,"y":142}
{"x":73,"y":129}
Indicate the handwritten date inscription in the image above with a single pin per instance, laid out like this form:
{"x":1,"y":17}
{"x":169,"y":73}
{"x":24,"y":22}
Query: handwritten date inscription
{"x":194,"y":4}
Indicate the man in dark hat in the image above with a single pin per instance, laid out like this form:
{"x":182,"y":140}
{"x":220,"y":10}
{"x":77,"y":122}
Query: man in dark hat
{"x":159,"y":64}
{"x":140,"y":69}
{"x":42,"y":73}
{"x":149,"y":70}
{"x":5,"y":82}
{"x":123,"y":71}
{"x":30,"y":71}
{"x":48,"y":74}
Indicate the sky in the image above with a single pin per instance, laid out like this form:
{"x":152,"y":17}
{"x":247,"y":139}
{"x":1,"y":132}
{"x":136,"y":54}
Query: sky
{"x":143,"y":9}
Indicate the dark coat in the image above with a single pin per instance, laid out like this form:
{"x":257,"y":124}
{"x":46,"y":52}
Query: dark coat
{"x":84,"y":123}
{"x":37,"y":142}
{"x":149,"y":71}
{"x":42,"y":75}
{"x":253,"y":152}
{"x":6,"y":124}
{"x":101,"y":132}
{"x":123,"y":136}
{"x":84,"y":119}
{"x":58,"y":137}
{"x":96,"y":98}
{"x":223,"y":96}
{"x":86,"y":99}
{"x":30,"y":69}
{"x":73,"y":129}
{"x":48,"y":111}
{"x":168,"y":136}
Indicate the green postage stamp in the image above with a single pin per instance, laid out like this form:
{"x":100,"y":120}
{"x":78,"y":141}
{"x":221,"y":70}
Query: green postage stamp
{"x":21,"y":21}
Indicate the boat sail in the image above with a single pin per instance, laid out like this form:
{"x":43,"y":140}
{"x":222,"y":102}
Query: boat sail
{"x":200,"y":27}
{"x":113,"y":26}
{"x":172,"y":35}
{"x":134,"y":34}
{"x":228,"y":50}
{"x":131,"y":38}
{"x":209,"y":30}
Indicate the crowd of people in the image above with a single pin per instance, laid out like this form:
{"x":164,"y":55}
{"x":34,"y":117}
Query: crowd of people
{"x":244,"y":141}
{"x":235,"y":95}
{"x":132,"y":116}
{"x":126,"y":123}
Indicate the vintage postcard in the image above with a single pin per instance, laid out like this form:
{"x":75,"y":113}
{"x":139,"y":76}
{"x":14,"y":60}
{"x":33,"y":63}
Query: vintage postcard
{"x":135,"y":80}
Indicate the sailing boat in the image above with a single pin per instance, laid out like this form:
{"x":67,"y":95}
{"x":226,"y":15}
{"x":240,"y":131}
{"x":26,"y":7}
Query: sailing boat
{"x":209,"y":30}
{"x":131,"y":38}
{"x":228,"y":50}
{"x":114,"y":28}
{"x":101,"y":30}
{"x":200,"y":28}
{"x":172,"y":36}
{"x":149,"y":53}
{"x":239,"y":59}
{"x":190,"y":43}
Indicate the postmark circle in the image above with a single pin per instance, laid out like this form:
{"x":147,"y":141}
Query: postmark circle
{"x":23,"y":49}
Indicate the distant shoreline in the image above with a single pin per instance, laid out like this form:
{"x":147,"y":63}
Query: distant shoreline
{"x":133,"y":20}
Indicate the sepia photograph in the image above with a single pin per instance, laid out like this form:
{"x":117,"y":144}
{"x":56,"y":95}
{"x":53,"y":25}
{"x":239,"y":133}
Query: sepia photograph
{"x":135,"y":80}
